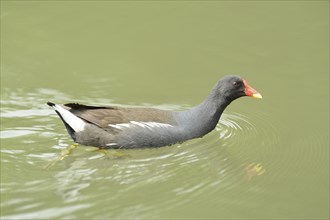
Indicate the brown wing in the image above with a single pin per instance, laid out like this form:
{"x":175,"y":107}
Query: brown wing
{"x":105,"y":116}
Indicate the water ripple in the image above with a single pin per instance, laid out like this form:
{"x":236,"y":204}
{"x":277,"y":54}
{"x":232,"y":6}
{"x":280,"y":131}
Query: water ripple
{"x":242,"y":155}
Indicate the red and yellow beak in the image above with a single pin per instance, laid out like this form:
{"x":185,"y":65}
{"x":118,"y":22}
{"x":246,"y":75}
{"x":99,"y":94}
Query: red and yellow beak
{"x":249,"y":91}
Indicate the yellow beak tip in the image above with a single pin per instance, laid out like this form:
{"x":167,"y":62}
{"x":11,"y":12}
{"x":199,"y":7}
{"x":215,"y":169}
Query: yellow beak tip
{"x":257,"y":95}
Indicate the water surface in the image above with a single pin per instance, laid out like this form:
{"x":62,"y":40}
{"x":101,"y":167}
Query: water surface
{"x":266,"y":159}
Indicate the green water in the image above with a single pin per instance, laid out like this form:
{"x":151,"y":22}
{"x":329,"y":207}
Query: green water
{"x":267,"y":159}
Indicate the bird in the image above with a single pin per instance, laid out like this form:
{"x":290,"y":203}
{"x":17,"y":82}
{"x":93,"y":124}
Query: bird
{"x":111,"y":127}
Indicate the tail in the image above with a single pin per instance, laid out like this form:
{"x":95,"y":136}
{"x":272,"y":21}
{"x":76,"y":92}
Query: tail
{"x":72,"y":123}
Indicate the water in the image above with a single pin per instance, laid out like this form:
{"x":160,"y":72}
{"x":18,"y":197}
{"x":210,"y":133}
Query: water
{"x":266,"y":159}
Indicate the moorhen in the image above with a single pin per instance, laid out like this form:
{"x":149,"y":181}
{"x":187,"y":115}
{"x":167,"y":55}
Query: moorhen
{"x":118,"y":127}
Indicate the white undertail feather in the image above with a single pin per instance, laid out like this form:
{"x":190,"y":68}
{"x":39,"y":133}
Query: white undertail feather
{"x":76,"y":123}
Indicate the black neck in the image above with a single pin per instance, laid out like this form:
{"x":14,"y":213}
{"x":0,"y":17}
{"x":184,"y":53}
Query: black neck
{"x":203,"y":118}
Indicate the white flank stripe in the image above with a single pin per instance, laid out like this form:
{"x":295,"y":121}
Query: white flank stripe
{"x":120,"y":126}
{"x":141,"y":124}
{"x":148,"y":125}
{"x":112,"y":144}
{"x":77,"y":124}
